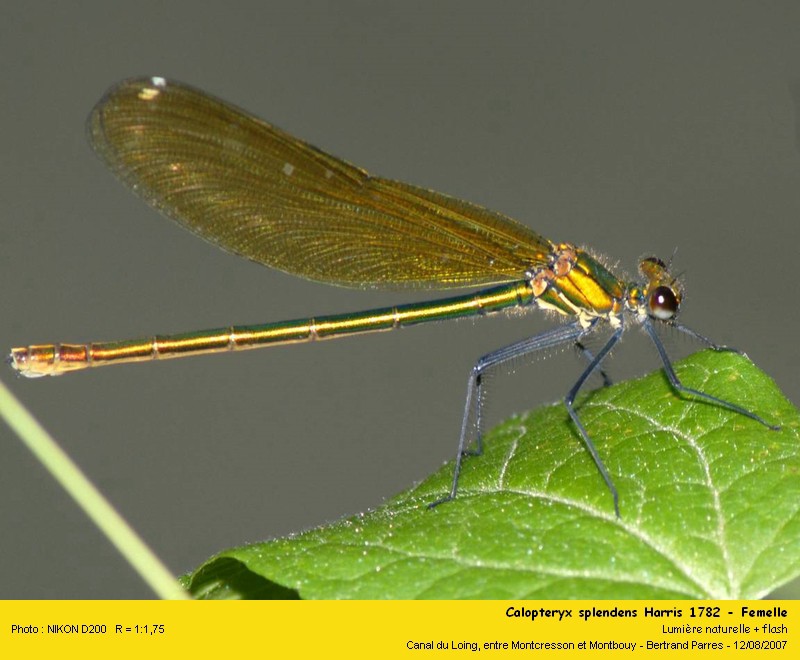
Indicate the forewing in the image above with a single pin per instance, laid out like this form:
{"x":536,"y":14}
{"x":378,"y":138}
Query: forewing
{"x":258,"y":192}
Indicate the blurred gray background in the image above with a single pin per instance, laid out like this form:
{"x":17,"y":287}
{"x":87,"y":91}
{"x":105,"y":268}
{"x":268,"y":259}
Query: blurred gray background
{"x":633,"y":128}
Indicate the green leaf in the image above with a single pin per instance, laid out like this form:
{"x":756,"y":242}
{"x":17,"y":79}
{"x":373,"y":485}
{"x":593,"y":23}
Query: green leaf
{"x":709,"y":504}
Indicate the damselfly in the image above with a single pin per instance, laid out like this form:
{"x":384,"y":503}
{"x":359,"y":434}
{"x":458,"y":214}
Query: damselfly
{"x":258,"y":192}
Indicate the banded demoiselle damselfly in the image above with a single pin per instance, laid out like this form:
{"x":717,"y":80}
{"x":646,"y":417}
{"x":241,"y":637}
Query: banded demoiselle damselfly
{"x":261,"y":193}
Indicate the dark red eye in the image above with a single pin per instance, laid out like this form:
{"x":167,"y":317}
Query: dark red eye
{"x":663,"y":303}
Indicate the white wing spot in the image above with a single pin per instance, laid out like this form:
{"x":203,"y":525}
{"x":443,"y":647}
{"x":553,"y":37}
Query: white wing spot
{"x":288,"y":168}
{"x":148,"y":93}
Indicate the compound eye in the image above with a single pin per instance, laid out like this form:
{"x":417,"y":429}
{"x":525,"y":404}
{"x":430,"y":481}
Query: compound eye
{"x":663,"y":303}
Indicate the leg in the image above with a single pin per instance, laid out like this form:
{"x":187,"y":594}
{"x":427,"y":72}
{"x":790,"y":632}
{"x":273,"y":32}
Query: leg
{"x":473,"y":408}
{"x":607,"y":382}
{"x":683,"y":389}
{"x":704,"y":339}
{"x":570,"y":399}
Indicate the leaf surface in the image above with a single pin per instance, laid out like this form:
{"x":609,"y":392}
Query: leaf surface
{"x":709,"y":503}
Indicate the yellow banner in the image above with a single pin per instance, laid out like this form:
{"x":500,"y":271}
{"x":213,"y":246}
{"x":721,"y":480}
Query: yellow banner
{"x":398,"y":629}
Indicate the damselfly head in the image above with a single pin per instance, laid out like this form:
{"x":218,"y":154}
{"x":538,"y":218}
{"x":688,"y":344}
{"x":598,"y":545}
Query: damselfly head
{"x":663,"y":292}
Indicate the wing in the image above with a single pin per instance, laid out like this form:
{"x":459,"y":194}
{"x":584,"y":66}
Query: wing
{"x":256,"y":191}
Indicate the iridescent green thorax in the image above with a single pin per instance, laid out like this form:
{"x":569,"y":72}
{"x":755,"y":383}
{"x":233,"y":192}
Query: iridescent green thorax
{"x":576,"y":284}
